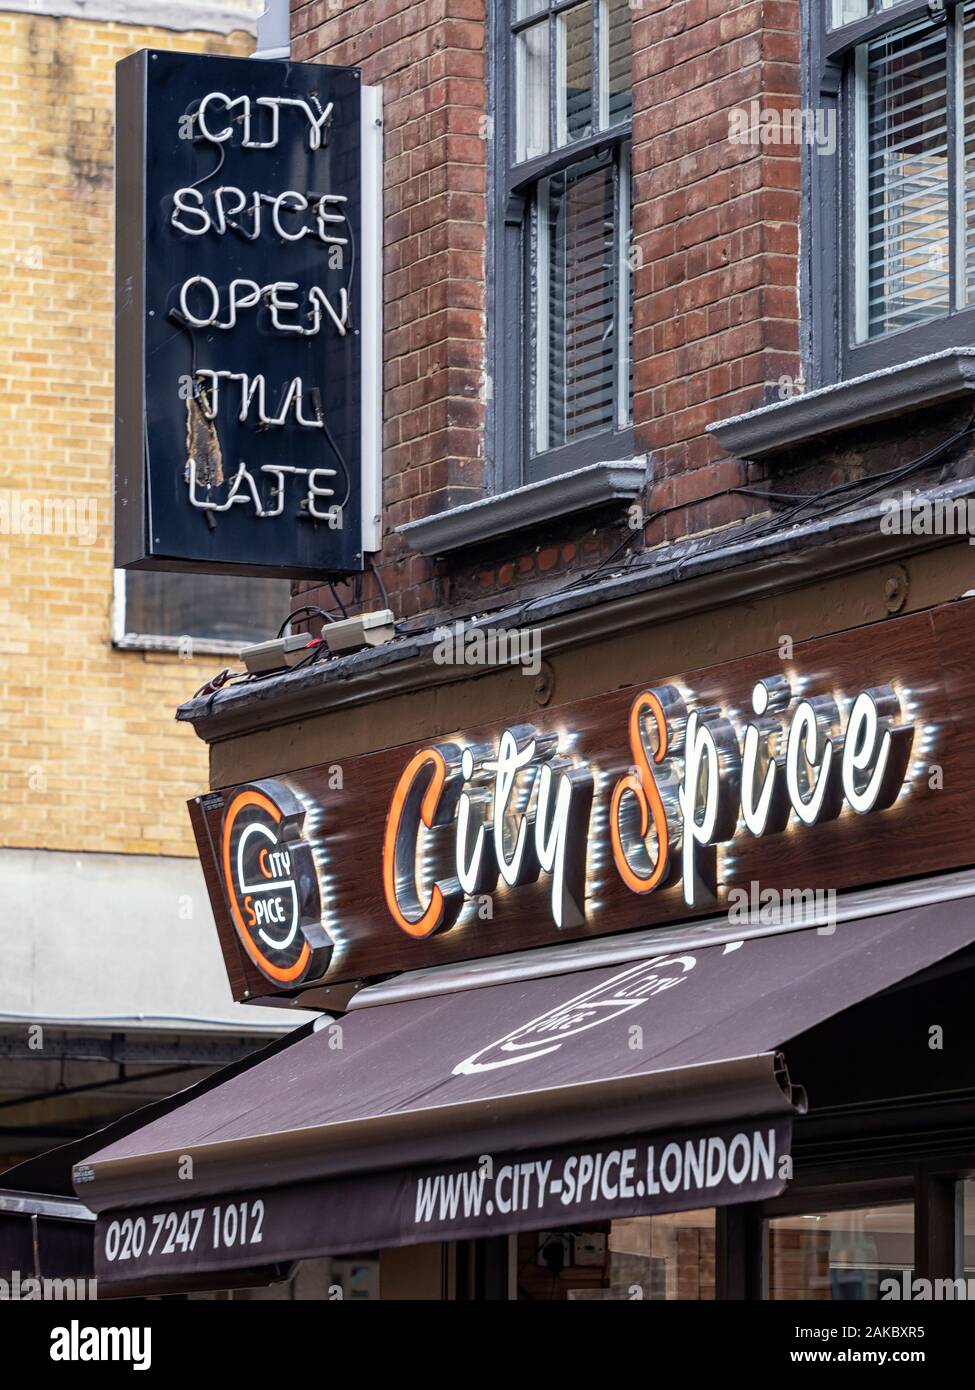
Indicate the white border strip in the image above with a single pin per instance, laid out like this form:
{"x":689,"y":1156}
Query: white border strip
{"x":183,"y":16}
{"x":686,"y":936}
{"x":371,"y":347}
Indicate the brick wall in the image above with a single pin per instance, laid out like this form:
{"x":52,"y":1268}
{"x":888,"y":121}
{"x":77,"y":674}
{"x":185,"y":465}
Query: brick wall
{"x":430,"y":59}
{"x":716,"y":229}
{"x":715,"y":283}
{"x":90,"y":757}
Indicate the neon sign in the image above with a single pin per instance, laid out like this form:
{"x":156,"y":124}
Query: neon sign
{"x":247,"y":388}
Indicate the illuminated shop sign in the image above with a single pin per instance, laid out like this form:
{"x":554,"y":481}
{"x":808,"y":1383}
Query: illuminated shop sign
{"x":524,"y":808}
{"x":272,"y":884}
{"x":247,"y":316}
{"x":637,"y":808}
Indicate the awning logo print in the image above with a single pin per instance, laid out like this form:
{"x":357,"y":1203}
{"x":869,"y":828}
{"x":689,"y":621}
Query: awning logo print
{"x":601,"y":1004}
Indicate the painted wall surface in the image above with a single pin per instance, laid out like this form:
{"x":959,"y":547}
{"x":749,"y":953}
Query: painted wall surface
{"x":90,"y":758}
{"x":117,"y":940}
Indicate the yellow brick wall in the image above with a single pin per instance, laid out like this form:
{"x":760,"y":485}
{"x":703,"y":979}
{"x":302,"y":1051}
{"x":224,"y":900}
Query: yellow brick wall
{"x":90,"y":756}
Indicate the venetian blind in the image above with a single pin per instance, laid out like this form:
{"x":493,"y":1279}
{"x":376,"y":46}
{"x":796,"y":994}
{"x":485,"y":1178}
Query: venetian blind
{"x":907,"y":172}
{"x":581,"y":301}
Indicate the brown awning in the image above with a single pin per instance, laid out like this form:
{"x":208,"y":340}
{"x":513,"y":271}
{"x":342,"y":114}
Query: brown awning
{"x":45,"y":1232}
{"x":654,"y":1086}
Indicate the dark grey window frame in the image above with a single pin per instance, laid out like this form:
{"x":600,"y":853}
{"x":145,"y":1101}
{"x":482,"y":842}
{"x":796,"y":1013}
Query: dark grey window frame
{"x":511,"y":413}
{"x":829,"y":336}
{"x":935,"y":1190}
{"x":742,"y":1263}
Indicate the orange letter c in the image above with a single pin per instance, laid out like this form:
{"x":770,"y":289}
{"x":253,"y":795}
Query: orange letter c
{"x":412,"y":805}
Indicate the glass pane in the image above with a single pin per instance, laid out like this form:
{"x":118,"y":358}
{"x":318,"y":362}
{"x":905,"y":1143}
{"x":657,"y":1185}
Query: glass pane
{"x":578,"y":210}
{"x":531,"y":96}
{"x":618,"y":81}
{"x":845,"y":11}
{"x":525,"y":8}
{"x":625,"y":314}
{"x":968,"y":1194}
{"x":643,"y":1257}
{"x":904,"y":245}
{"x":575,"y":74}
{"x":966,"y":200}
{"x":841,"y":1255}
{"x":218,"y":608}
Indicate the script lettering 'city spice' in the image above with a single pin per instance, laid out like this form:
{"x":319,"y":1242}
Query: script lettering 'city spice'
{"x":524,"y":809}
{"x":632,"y":809}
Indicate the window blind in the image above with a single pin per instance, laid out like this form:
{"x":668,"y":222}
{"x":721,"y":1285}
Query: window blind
{"x":905,"y":154}
{"x":581,"y":301}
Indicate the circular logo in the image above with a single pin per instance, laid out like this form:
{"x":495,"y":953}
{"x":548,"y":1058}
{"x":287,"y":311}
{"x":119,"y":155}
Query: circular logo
{"x":272,"y":884}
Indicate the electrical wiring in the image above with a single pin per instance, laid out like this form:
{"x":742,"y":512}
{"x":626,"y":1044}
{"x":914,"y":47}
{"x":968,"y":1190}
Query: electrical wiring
{"x":828,"y":502}
{"x":305,"y":608}
{"x":867,"y":487}
{"x":585,"y":578}
{"x":338,"y":602}
{"x":379,"y":580}
{"x":213,"y":172}
{"x":226,"y":677}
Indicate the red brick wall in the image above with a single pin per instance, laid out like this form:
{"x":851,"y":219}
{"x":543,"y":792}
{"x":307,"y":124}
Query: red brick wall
{"x":430,"y":59}
{"x":715,"y":228}
{"x":715,"y":254}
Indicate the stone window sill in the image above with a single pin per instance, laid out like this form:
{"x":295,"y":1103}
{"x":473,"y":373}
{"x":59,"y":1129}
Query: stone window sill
{"x":830,"y":409}
{"x":598,"y":485}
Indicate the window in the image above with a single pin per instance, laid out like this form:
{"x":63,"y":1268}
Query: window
{"x":561,"y":301}
{"x":214,"y":613}
{"x":898,"y":76}
{"x":659,"y":1258}
{"x":840,"y":1255}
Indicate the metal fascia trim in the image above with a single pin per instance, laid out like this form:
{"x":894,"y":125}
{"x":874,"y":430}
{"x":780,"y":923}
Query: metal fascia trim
{"x":31,"y":1204}
{"x":638,"y":945}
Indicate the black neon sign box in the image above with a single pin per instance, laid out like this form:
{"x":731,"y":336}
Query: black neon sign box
{"x":239,"y":316}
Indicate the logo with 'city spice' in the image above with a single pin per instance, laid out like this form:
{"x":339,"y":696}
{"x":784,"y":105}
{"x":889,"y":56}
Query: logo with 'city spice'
{"x":272,"y":884}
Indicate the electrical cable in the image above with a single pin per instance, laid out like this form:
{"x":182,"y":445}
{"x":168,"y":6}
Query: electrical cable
{"x":379,"y":580}
{"x":305,"y":608}
{"x":213,"y":172}
{"x":865,"y":487}
{"x":585,"y":578}
{"x":338,"y":602}
{"x":779,"y":521}
{"x":868,"y":487}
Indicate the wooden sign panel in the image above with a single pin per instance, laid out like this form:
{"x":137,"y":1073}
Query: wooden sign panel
{"x":850,"y":763}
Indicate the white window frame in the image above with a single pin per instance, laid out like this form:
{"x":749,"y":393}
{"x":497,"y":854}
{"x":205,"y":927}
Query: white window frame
{"x":151,"y":642}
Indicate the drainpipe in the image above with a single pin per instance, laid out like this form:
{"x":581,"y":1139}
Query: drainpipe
{"x":274,"y":30}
